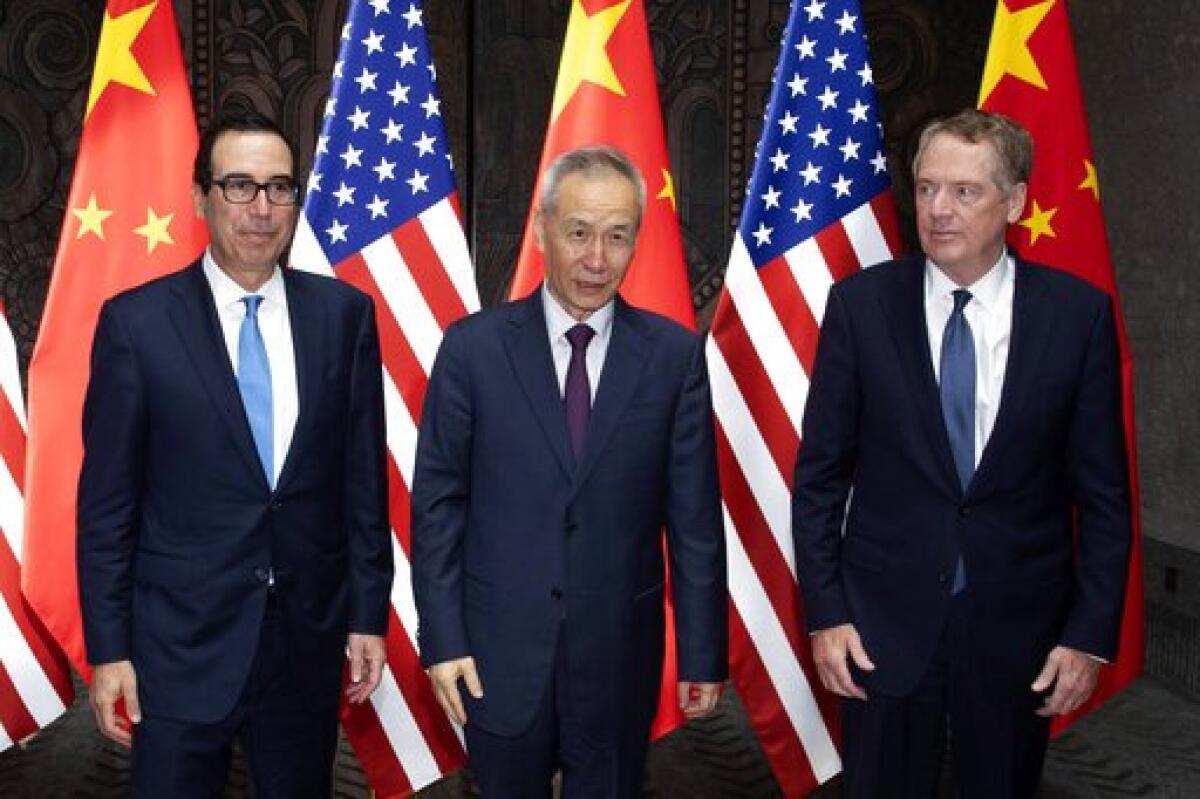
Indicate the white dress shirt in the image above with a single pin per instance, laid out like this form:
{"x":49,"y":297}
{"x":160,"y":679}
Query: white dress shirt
{"x":558,"y":322}
{"x":276,"y":329}
{"x":989,"y":313}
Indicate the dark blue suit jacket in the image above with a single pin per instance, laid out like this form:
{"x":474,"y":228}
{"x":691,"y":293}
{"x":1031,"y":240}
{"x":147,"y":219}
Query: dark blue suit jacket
{"x":514,"y":544}
{"x":177,"y":521}
{"x":873,"y":422}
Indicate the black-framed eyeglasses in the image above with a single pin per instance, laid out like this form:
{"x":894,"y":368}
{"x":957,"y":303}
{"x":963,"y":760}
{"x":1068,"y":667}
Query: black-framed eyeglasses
{"x":241,"y":190}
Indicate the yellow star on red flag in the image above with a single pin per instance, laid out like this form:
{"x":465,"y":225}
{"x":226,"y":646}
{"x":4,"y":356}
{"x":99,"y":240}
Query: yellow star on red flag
{"x":115,"y":62}
{"x":1038,"y":223}
{"x":668,"y":189}
{"x":91,"y":218}
{"x":1091,"y":181}
{"x":1009,"y":52}
{"x":156,"y":230}
{"x":585,"y":59}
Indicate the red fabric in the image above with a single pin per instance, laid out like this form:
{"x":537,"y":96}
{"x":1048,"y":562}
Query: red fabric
{"x":135,"y":160}
{"x":1056,"y":118}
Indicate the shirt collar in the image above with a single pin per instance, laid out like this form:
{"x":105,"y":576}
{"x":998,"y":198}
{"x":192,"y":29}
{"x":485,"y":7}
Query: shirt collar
{"x":988,"y":290}
{"x":226,"y":292}
{"x":558,"y":321}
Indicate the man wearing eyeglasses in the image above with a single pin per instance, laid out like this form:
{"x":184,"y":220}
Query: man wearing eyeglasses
{"x":233,"y":541}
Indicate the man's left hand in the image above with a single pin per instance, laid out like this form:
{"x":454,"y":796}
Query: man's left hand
{"x":698,"y":699}
{"x":1073,"y":675}
{"x":366,"y":653}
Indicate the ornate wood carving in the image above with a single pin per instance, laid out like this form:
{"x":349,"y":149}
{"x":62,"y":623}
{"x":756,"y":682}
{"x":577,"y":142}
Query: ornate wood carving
{"x":497,"y":62}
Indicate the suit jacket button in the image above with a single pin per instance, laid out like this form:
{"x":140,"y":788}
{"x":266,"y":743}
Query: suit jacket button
{"x":276,"y":506}
{"x":964,"y":510}
{"x":261,"y":574}
{"x":556,"y":593}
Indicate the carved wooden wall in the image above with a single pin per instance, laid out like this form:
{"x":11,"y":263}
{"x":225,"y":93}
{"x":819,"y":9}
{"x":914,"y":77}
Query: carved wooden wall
{"x":497,"y":61}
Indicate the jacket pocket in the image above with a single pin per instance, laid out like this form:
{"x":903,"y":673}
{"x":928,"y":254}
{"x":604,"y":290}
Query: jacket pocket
{"x":652,"y":591}
{"x":477,"y":594}
{"x":164,"y":571}
{"x":864,"y":554}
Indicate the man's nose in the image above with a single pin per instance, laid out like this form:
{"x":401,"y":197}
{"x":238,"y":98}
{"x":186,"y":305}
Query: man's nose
{"x":940,"y":204}
{"x":259,"y":205}
{"x":594,"y":256}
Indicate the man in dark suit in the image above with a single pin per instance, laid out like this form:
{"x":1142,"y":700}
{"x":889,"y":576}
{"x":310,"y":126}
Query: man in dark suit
{"x":561,"y":434}
{"x":233,"y":543}
{"x":964,"y":419}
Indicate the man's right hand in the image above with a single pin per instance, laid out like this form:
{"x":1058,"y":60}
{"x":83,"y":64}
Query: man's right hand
{"x":831,"y":647}
{"x":445,"y":677}
{"x":111,"y":682}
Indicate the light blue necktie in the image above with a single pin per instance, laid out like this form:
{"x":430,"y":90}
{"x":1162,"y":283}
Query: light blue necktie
{"x":254,"y":383}
{"x":958,"y":401}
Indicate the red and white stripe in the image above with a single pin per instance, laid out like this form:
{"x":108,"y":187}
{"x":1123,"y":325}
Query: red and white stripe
{"x":421,"y":279}
{"x":35,"y":683}
{"x":760,"y":356}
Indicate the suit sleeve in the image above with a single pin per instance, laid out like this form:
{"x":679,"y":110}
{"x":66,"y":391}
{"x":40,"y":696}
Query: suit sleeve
{"x":824,"y":470}
{"x":441,"y":488}
{"x":365,"y":486}
{"x":1098,"y":471}
{"x":110,"y":487}
{"x":695,"y":533}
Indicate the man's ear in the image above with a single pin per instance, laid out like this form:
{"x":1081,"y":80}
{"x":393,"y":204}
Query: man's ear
{"x":1016,"y":202}
{"x":539,"y":230}
{"x":199,"y":197}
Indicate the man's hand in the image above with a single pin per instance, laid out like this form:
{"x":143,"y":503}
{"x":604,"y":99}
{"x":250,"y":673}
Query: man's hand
{"x":698,"y":699}
{"x":112,"y":682}
{"x":445,"y":677}
{"x":1073,"y":675}
{"x":366,"y":653}
{"x":831,"y":647}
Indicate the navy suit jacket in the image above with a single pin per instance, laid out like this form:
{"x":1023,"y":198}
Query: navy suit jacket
{"x":176,"y":520}
{"x":1056,"y":455}
{"x":516,"y":545}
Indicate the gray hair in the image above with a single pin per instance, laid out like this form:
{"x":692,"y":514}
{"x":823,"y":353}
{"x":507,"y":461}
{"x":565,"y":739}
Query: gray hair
{"x":589,"y":160}
{"x":1011,"y":141}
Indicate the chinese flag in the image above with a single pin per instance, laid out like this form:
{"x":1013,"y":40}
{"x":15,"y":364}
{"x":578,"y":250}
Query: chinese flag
{"x":129,"y":218}
{"x":606,"y":94}
{"x":1030,"y":75}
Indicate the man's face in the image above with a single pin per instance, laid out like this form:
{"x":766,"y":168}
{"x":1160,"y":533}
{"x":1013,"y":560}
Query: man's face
{"x":587,"y":242}
{"x":962,"y":213}
{"x":247,"y":239}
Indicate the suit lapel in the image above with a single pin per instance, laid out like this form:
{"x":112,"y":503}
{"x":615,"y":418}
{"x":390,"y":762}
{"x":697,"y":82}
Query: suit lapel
{"x":1032,"y":329}
{"x":905,"y":309}
{"x":308,"y":331}
{"x":194,"y":317}
{"x":528,"y":345}
{"x":628,"y":349}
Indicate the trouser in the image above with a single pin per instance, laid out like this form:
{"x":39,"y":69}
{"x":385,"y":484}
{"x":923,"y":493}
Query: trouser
{"x":522,"y":766}
{"x":289,"y":746}
{"x":894,"y":746}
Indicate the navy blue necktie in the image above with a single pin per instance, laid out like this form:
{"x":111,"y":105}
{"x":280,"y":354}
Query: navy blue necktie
{"x":254,"y":383}
{"x":958,"y":400}
{"x":577,"y":394}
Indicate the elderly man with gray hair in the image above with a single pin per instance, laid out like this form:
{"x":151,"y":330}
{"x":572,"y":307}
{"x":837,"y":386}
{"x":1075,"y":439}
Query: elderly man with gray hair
{"x":561,"y":434}
{"x":970,"y":400}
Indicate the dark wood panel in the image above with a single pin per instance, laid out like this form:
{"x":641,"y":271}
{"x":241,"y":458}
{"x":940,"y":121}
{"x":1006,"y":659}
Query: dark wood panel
{"x":497,"y":61}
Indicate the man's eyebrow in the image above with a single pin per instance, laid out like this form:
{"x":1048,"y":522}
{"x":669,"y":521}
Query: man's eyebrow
{"x":248,"y":176}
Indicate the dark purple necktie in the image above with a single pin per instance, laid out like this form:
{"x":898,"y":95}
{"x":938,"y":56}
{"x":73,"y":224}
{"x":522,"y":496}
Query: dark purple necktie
{"x":577,"y":395}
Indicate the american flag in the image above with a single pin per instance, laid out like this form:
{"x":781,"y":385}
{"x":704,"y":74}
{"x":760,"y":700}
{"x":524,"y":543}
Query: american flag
{"x":381,"y":212}
{"x":818,"y":207}
{"x":35,"y":684}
